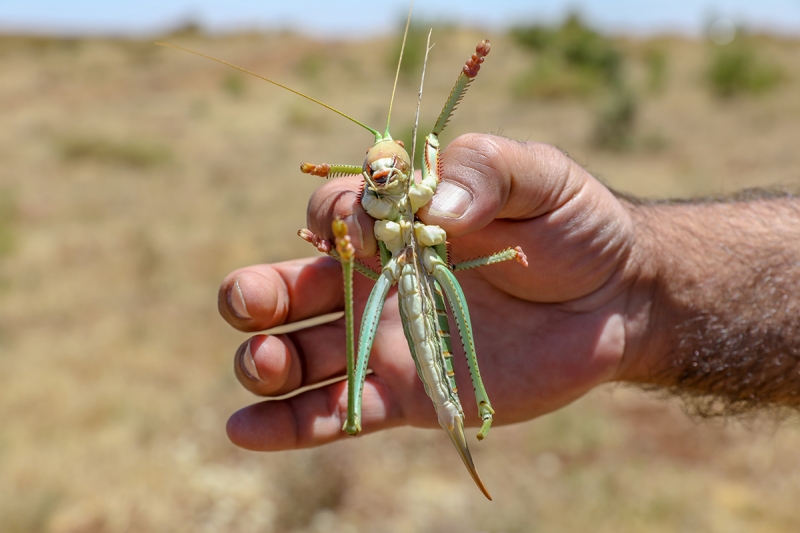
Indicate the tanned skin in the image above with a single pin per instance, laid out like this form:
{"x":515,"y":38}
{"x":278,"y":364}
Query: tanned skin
{"x":699,"y":299}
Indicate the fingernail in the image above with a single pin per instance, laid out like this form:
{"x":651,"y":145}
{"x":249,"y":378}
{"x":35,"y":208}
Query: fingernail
{"x":247,"y":362}
{"x":236,"y":301}
{"x":355,"y":231}
{"x":450,"y":201}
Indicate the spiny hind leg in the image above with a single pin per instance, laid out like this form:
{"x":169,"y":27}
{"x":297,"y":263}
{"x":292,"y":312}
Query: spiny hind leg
{"x":468,"y":73}
{"x":326,"y":170}
{"x":422,"y":192}
{"x":458,"y":304}
{"x":504,"y":255}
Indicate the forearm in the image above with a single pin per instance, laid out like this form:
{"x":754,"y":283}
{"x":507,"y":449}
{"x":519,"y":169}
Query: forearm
{"x":723,"y":325}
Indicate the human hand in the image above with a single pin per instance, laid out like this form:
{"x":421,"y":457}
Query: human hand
{"x":545,"y":335}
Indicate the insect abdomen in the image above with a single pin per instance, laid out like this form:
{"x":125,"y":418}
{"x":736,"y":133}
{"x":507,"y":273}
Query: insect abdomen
{"x":424,"y":341}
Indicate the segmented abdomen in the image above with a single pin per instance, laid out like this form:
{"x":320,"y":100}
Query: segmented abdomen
{"x":422,"y":325}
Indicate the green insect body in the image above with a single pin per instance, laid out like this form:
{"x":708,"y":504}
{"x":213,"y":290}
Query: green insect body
{"x":414,"y":256}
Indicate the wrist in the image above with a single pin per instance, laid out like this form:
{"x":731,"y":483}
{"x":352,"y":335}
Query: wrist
{"x":670,"y":257}
{"x":714,"y":301}
{"x":645,"y":320}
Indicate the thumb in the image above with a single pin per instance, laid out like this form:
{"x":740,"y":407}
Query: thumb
{"x":485,"y":177}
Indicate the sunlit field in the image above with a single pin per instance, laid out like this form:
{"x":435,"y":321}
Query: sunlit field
{"x":133,"y":178}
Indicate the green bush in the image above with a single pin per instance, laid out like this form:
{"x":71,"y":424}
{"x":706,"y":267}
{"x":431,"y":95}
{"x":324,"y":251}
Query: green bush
{"x":233,"y":84}
{"x":133,"y":153}
{"x":551,"y":78}
{"x":616,"y":121}
{"x":537,"y":38}
{"x":571,"y":60}
{"x":574,"y":61}
{"x":656,"y":63}
{"x":8,"y":217}
{"x":737,"y":68}
{"x":413,"y":55}
{"x":586,"y":49}
{"x":311,"y":67}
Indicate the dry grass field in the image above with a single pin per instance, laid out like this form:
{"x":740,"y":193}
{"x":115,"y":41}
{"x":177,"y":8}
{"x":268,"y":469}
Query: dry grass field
{"x":134,"y":178}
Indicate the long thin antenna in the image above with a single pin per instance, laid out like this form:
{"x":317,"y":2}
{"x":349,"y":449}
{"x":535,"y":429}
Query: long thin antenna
{"x":419,"y":100}
{"x":298,"y":93}
{"x":399,"y":62}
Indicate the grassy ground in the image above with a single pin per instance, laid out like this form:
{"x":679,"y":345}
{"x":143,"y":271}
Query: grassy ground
{"x":134,"y":178}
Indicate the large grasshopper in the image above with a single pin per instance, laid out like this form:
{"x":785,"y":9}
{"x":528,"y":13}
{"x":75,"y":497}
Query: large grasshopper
{"x":414,"y":256}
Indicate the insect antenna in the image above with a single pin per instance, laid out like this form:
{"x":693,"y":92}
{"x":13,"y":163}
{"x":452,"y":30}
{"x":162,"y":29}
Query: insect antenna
{"x":399,"y":62}
{"x":409,"y":213}
{"x":419,"y":103}
{"x":298,"y":93}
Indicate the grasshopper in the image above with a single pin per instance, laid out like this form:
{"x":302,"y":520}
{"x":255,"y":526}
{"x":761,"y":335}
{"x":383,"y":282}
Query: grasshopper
{"x":414,"y":256}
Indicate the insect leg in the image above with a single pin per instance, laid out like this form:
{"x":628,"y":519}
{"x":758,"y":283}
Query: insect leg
{"x":326,"y":170}
{"x":504,"y":255}
{"x":358,"y":372}
{"x":458,"y":303}
{"x":421,"y":193}
{"x":325,"y":247}
{"x":468,"y":73}
{"x":346,"y":252}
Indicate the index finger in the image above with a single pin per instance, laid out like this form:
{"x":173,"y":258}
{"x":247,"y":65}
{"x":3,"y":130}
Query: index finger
{"x":264,"y":296}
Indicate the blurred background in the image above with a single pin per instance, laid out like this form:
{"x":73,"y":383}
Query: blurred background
{"x":134,"y":178}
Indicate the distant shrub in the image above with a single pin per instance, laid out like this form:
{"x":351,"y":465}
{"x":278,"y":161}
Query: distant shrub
{"x":738,"y":69}
{"x":551,"y":78}
{"x":302,"y":116}
{"x":233,"y":84}
{"x":132,"y":153}
{"x":656,"y":63}
{"x":585,"y":48}
{"x":616,"y":121}
{"x":40,"y":45}
{"x":140,"y":53}
{"x":571,"y":60}
{"x":185,"y":28}
{"x":537,"y":38}
{"x":655,"y":141}
{"x":32,"y":511}
{"x":311,"y":66}
{"x":413,"y":55}
{"x":8,"y":213}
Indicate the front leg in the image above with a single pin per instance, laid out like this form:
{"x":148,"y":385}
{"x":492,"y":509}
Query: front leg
{"x":326,"y":170}
{"x":324,"y":246}
{"x":422,"y":192}
{"x":357,"y":363}
{"x":357,"y":366}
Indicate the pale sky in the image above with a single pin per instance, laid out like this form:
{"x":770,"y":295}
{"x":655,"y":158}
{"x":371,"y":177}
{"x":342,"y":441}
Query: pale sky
{"x":354,"y":18}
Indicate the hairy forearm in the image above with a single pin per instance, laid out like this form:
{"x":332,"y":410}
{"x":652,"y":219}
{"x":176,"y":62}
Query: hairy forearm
{"x":723,"y":327}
